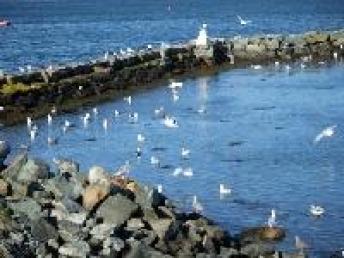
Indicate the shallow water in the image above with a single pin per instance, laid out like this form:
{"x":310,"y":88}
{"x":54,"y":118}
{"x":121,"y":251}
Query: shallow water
{"x":60,"y":31}
{"x":256,"y":136}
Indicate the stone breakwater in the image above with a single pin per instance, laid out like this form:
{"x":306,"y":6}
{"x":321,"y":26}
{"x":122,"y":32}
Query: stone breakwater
{"x":67,"y":213}
{"x":35,"y":93}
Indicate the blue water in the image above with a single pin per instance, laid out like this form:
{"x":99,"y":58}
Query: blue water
{"x":60,"y":31}
{"x":273,"y":117}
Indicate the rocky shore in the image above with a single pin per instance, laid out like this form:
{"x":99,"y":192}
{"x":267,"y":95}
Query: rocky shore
{"x":68,"y":213}
{"x":35,"y":93}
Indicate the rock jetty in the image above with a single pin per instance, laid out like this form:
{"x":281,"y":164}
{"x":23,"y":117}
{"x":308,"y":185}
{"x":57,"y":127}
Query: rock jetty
{"x":68,"y":213}
{"x":37,"y":92}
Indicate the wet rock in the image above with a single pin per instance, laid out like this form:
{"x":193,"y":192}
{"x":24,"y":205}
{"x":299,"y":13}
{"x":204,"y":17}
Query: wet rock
{"x":4,"y":187}
{"x":5,"y":149}
{"x":94,"y":194}
{"x":13,"y":169}
{"x":115,"y":210}
{"x":42,"y":231}
{"x":32,"y":171}
{"x":262,"y":234}
{"x":67,"y":166}
{"x":75,"y":249}
{"x":26,"y":206}
{"x":62,"y":187}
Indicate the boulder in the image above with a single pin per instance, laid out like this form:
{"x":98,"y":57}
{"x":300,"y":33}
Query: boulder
{"x":161,"y":227}
{"x":102,"y":231}
{"x":263,"y":233}
{"x":63,"y":187}
{"x":148,"y":197}
{"x":98,"y":174}
{"x":42,"y":231}
{"x":32,"y":171}
{"x":114,"y":243}
{"x":6,"y":222}
{"x":315,"y":37}
{"x":94,"y":194}
{"x":75,"y":249}
{"x":67,"y":166}
{"x":116,"y":210}
{"x":135,"y":224}
{"x":4,"y":187}
{"x":14,"y":167}
{"x":4,"y":151}
{"x":26,"y":206}
{"x":70,"y":231}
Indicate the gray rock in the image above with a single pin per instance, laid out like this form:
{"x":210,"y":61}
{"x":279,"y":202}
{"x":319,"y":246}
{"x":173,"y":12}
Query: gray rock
{"x":116,"y":210}
{"x":5,"y":149}
{"x":26,"y":206}
{"x":256,"y":250}
{"x":67,"y":166}
{"x":140,"y":250}
{"x":102,"y":231}
{"x":228,"y":252}
{"x":75,"y":249}
{"x":114,"y":243}
{"x":32,"y":171}
{"x":42,"y":231}
{"x":161,"y":227}
{"x":134,"y":224}
{"x":14,"y":167}
{"x":70,"y":231}
{"x":62,"y":187}
{"x":148,"y":197}
{"x":71,"y":206}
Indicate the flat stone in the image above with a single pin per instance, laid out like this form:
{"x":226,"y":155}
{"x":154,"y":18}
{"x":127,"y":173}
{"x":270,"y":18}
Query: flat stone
{"x":116,"y":210}
{"x":75,"y":249}
{"x":32,"y":171}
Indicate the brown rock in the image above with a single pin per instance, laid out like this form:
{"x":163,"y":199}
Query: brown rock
{"x":94,"y":194}
{"x":264,"y":233}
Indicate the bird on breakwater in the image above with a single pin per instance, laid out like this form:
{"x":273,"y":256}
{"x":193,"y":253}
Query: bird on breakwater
{"x":272,"y":219}
{"x":159,"y":111}
{"x":86,"y":118}
{"x":149,"y":46}
{"x":2,"y":108}
{"x":196,"y":205}
{"x":116,"y":113}
{"x":154,"y":161}
{"x":170,"y":122}
{"x":177,"y":171}
{"x":140,"y":138}
{"x":53,"y":110}
{"x":128,"y":99}
{"x":33,"y":132}
{"x":21,"y":69}
{"x":224,"y":190}
{"x":303,"y":66}
{"x":123,"y":170}
{"x":106,"y":56}
{"x":29,"y":68}
{"x":327,"y":132}
{"x":316,"y":210}
{"x":335,"y":55}
{"x":277,"y":63}
{"x":242,"y":21}
{"x":80,"y":88}
{"x":95,"y":111}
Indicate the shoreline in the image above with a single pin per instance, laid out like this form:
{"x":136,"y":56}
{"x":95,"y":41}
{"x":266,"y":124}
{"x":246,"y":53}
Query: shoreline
{"x":68,"y":88}
{"x":72,"y":213}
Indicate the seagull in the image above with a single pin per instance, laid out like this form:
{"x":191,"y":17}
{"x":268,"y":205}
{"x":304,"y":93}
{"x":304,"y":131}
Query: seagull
{"x":116,"y":113}
{"x":50,"y":119}
{"x":21,"y":69}
{"x":159,"y":188}
{"x":28,"y":121}
{"x":67,"y":123}
{"x":155,"y":161}
{"x":175,"y":97}
{"x":95,"y":111}
{"x":188,"y":172}
{"x":272,"y":219}
{"x":138,"y":152}
{"x":327,"y":132}
{"x":140,"y":138}
{"x":316,"y":210}
{"x":105,"y":123}
{"x":123,"y":170}
{"x":29,"y":68}
{"x":177,"y":171}
{"x":127,"y":99}
{"x":335,"y":55}
{"x":175,"y":85}
{"x":106,"y":56}
{"x":242,"y":21}
{"x":33,"y":134}
{"x":256,"y":67}
{"x":52,"y":141}
{"x":81,"y":88}
{"x":196,"y":206}
{"x":224,"y":190}
{"x":53,"y":110}
{"x":159,"y":111}
{"x":185,"y":152}
{"x":86,"y":118}
{"x":170,"y":122}
{"x":277,"y":63}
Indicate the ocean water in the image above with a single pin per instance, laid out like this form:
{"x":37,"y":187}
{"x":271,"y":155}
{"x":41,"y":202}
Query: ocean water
{"x":256,"y":135}
{"x":61,"y":31}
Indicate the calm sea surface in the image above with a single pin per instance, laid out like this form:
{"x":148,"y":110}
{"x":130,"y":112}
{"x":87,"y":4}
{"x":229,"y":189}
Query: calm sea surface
{"x":256,"y":135}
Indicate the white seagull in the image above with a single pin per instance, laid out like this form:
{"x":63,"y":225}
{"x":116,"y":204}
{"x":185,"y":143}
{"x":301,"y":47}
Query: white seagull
{"x":127,"y":99}
{"x":29,"y":122}
{"x":185,"y":153}
{"x":140,"y":138}
{"x":170,"y":122}
{"x":196,"y":206}
{"x":105,"y":124}
{"x":50,"y":119}
{"x":188,"y":172}
{"x":242,"y":21}
{"x":272,"y":219}
{"x":327,"y":132}
{"x":224,"y":190}
{"x":159,"y":188}
{"x":316,"y":210}
{"x":175,"y":85}
{"x":154,"y":161}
